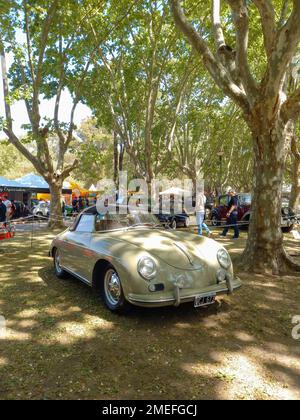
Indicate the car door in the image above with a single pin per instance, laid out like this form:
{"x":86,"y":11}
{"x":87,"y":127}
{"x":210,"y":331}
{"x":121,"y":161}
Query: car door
{"x":244,"y":202}
{"x":240,"y":209}
{"x":223,"y":207}
{"x":77,"y":246}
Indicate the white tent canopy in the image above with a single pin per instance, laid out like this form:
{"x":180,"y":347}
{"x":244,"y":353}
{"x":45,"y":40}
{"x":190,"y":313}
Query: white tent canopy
{"x":175,"y":191}
{"x":93,"y":188}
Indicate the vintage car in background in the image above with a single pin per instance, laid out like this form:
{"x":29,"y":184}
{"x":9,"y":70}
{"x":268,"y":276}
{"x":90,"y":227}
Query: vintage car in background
{"x":218,"y":213}
{"x":166,"y":217}
{"x":174,"y":221}
{"x":41,"y":210}
{"x":132,"y":259}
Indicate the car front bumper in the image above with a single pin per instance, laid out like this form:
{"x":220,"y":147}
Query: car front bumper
{"x":288,"y":221}
{"x":179,"y":296}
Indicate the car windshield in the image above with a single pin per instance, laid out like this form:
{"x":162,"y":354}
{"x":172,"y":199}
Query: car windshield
{"x":285,"y":202}
{"x":133,"y":220}
{"x":245,"y":199}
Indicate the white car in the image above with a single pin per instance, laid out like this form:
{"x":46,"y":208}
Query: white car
{"x":42,"y":210}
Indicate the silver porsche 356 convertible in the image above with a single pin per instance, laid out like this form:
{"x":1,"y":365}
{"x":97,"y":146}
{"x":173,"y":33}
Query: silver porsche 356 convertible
{"x":132,"y":259}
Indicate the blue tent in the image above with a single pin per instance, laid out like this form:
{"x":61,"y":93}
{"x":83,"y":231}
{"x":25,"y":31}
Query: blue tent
{"x":32,"y":181}
{"x":29,"y":184}
{"x":7,"y":182}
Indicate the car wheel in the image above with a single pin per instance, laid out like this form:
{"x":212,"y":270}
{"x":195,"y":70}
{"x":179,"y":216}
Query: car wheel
{"x":112,"y":291}
{"x":173,"y":224}
{"x":59,"y":272}
{"x":245,"y":223}
{"x":187,"y":222}
{"x":215,"y":221}
{"x":287,"y":229}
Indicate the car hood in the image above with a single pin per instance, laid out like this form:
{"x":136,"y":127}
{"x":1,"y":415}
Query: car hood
{"x":179,"y":249}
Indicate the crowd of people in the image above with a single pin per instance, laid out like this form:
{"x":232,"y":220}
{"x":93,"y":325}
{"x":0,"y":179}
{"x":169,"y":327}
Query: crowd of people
{"x":79,"y":203}
{"x":12,"y":210}
{"x":8,"y":209}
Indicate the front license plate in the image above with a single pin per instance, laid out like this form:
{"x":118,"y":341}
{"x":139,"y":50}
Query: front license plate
{"x":204,"y":300}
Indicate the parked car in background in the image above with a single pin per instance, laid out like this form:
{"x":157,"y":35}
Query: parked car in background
{"x":174,"y":221}
{"x":166,"y":218}
{"x":130,"y":258}
{"x":41,"y":210}
{"x":218,"y":214}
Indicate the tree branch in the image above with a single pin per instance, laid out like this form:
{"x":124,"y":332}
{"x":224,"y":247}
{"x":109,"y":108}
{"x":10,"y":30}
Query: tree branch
{"x":13,"y":139}
{"x":217,"y":27}
{"x":283,"y":14}
{"x":241,"y":22}
{"x":36,"y":83}
{"x":294,"y":148}
{"x":28,"y":39}
{"x":69,"y":168}
{"x":218,"y":72}
{"x":291,"y":108}
{"x":268,"y":23}
{"x":287,"y":42}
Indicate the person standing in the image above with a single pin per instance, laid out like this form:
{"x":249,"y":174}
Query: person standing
{"x":80,"y":204}
{"x":75,"y":206}
{"x":200,"y":214}
{"x":13,"y":210}
{"x":7,"y":204}
{"x":232,"y":215}
{"x":63,"y":208}
{"x":2,"y":211}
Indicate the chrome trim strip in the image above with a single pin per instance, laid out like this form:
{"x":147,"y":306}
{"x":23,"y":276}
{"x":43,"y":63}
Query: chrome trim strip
{"x":76,"y":275}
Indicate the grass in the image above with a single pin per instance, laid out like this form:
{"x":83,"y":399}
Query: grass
{"x":63,"y":343}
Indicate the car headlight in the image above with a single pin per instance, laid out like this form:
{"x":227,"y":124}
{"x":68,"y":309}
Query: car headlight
{"x":223,"y":258}
{"x":285,"y":211}
{"x":147,"y":268}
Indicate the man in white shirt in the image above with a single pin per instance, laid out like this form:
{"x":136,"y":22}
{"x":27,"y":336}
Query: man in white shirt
{"x":200,"y":213}
{"x":7,"y":204}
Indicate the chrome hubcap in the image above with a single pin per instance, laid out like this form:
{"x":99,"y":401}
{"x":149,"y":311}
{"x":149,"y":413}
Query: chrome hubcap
{"x":112,"y":287}
{"x":57,"y":262}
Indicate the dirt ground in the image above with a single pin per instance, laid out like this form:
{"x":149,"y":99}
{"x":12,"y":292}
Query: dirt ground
{"x":62,"y":343}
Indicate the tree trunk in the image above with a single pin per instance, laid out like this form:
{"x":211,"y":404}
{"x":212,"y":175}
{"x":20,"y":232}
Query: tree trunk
{"x":56,"y":216}
{"x":121,"y":157}
{"x":295,"y":191}
{"x":264,"y":250}
{"x":116,"y":159}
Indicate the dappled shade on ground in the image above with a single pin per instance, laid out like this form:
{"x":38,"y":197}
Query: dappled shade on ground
{"x":63,"y":343}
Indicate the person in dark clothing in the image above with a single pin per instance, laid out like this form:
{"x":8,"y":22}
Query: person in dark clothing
{"x":75,"y":205}
{"x":232,"y":215}
{"x":13,"y":209}
{"x":80,"y":204}
{"x":2,"y":212}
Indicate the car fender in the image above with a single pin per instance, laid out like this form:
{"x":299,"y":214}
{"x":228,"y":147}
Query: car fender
{"x":246,"y":215}
{"x":215,"y":212}
{"x":125,"y":262}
